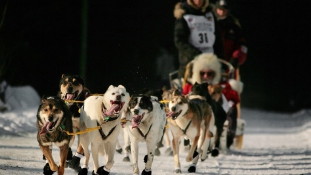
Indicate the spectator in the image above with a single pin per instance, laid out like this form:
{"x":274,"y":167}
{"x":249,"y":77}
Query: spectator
{"x":235,"y":48}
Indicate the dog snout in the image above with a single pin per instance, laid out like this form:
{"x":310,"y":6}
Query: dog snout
{"x":70,"y":89}
{"x":173,"y":108}
{"x":118,"y":97}
{"x":51,"y":118}
{"x":136,"y":111}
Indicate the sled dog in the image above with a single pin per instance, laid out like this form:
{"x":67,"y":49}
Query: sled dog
{"x":103,"y":112}
{"x":73,"y":92}
{"x":53,"y":118}
{"x":147,"y":124}
{"x":193,"y":118}
{"x":219,"y":112}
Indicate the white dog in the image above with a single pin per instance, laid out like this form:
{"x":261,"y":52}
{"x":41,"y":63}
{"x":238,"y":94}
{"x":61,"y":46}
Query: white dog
{"x":147,"y":125}
{"x":104,"y":112}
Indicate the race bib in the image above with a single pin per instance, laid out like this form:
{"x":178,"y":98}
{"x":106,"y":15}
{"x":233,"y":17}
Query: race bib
{"x":202,"y":31}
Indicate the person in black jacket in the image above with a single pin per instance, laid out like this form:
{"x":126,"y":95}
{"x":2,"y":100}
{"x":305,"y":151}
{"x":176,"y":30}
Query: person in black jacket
{"x":196,"y":31}
{"x":235,"y":47}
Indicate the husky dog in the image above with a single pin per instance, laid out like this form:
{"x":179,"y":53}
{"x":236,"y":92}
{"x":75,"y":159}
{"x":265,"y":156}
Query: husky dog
{"x":193,"y":118}
{"x":103,"y":112}
{"x":218,"y":110}
{"x":73,"y":92}
{"x":147,"y":124}
{"x":53,"y":119}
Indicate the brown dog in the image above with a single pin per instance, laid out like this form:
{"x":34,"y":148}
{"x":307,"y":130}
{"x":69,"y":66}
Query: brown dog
{"x":53,"y":118}
{"x":192,"y":117}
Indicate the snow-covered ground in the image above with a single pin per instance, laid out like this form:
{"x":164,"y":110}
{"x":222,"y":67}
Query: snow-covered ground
{"x":274,"y":143}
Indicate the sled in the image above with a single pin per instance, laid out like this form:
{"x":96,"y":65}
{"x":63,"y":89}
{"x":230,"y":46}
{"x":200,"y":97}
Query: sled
{"x":227,"y":73}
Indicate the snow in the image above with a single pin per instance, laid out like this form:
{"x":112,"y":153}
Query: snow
{"x":274,"y":143}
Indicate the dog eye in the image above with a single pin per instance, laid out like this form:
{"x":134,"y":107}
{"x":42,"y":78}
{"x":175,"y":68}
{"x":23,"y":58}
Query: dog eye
{"x":65,"y":83}
{"x":56,"y":110}
{"x":75,"y":83}
{"x":45,"y":110}
{"x":180,"y":103}
{"x":123,"y":94}
{"x":113,"y":93}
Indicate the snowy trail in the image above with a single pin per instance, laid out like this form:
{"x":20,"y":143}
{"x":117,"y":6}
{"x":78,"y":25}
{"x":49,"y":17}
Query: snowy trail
{"x":274,"y":143}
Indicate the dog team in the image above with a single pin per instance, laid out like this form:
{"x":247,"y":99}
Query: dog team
{"x":149,"y":116}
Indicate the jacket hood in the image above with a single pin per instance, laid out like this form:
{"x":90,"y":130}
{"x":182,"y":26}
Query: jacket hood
{"x":206,"y":60}
{"x":180,"y":8}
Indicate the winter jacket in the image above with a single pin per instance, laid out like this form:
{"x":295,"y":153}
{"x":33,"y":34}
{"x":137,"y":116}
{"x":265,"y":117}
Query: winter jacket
{"x":187,"y":51}
{"x":233,"y":38}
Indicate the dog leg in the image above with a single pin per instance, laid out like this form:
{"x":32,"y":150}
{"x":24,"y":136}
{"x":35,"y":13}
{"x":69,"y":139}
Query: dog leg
{"x":151,"y":146}
{"x":110,"y":150}
{"x":175,"y":145}
{"x":95,"y":148}
{"x":62,"y":161}
{"x":134,"y":152}
{"x":85,"y":143}
{"x":47,"y":153}
{"x":193,"y":147}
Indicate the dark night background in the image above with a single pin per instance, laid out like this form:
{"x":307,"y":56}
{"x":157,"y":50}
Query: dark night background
{"x":41,"y":40}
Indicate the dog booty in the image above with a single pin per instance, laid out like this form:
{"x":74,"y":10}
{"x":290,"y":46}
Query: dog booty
{"x":74,"y":163}
{"x":101,"y":171}
{"x":215,"y":152}
{"x":47,"y":170}
{"x":83,"y":171}
{"x":186,"y":142}
{"x":126,"y":159}
{"x":192,"y":169}
{"x":145,"y":172}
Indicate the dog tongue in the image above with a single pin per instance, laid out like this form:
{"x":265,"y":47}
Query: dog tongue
{"x":136,"y":120}
{"x":45,"y":127}
{"x":69,"y":96}
{"x":111,"y":110}
{"x":170,"y":114}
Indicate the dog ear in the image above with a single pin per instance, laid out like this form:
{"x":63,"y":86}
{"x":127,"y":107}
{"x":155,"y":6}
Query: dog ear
{"x":43,"y":99}
{"x":176,"y":92}
{"x":121,"y":87}
{"x":63,"y":75}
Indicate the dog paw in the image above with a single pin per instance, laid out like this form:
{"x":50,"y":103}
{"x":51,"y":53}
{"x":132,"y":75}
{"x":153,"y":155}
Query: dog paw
{"x":177,"y":171}
{"x":144,"y":172}
{"x":119,"y":150}
{"x":146,"y":158}
{"x":191,"y":169}
{"x":47,"y":170}
{"x":126,"y":159}
{"x":215,"y":152}
{"x":83,"y":171}
{"x":157,"y":152}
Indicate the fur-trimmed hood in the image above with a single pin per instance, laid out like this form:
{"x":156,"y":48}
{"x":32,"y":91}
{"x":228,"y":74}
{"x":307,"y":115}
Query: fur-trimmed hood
{"x":180,"y":8}
{"x":206,"y":60}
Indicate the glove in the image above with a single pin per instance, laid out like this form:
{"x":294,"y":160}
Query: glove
{"x":240,"y":54}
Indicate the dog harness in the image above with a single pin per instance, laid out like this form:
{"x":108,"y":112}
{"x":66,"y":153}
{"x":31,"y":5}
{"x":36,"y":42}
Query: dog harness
{"x":141,"y":133}
{"x":185,"y":130}
{"x":104,"y":136}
